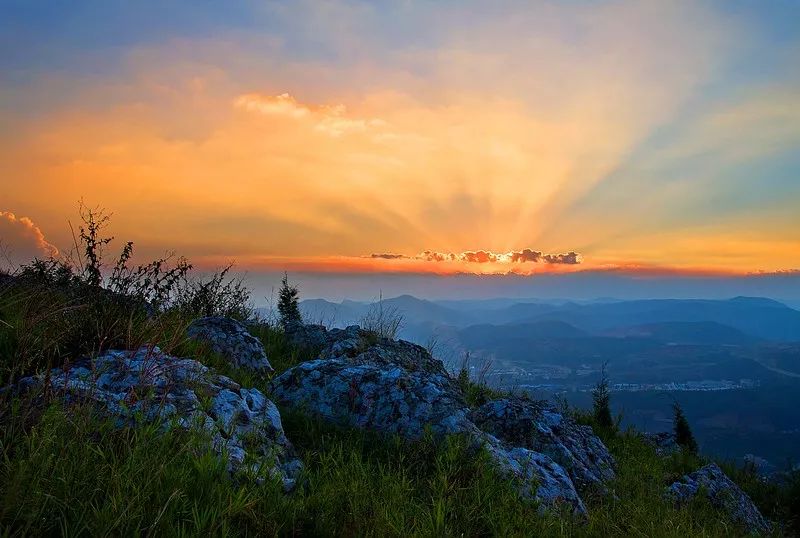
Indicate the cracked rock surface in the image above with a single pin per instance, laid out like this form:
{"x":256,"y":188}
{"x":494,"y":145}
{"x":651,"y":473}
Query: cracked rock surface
{"x":242,"y":423}
{"x":396,"y":387}
{"x":663,"y":442}
{"x":232,"y":340}
{"x":723,"y":493}
{"x":538,"y":426}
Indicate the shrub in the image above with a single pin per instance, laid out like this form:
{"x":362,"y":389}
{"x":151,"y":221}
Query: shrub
{"x":476,"y":392}
{"x":216,"y":295}
{"x":58,"y":309}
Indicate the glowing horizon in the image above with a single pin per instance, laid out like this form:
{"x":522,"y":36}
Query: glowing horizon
{"x":351,"y":137}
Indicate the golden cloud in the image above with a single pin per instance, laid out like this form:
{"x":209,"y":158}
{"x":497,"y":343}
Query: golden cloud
{"x":21,"y":240}
{"x":483,"y":256}
{"x":328,"y":119}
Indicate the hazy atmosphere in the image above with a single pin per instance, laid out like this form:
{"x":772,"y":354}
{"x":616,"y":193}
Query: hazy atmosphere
{"x":410,"y":137}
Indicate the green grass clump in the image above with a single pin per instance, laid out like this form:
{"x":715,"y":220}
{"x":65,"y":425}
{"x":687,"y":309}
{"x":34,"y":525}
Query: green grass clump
{"x":72,"y":472}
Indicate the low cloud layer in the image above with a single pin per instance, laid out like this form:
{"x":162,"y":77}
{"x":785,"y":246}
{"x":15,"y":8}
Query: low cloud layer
{"x":332,"y":120}
{"x":483,"y":256}
{"x":388,"y":256}
{"x":21,"y":240}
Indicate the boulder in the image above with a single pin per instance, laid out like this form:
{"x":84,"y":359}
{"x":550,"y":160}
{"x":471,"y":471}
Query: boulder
{"x":232,"y":340}
{"x":723,"y":493}
{"x":538,"y":426}
{"x":396,"y":387}
{"x":147,"y":384}
{"x":307,"y":336}
{"x":762,"y":467}
{"x":377,"y":397}
{"x":364,"y":347}
{"x":663,"y":442}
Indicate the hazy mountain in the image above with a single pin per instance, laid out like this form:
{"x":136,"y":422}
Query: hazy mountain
{"x":412,"y":309}
{"x":757,"y":317}
{"x":488,"y":335}
{"x":686,"y":332}
{"x":420,"y":310}
{"x":732,"y":321}
{"x":334,"y":314}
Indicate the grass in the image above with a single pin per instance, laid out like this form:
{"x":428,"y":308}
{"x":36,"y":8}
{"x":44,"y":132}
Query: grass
{"x":75,"y":473}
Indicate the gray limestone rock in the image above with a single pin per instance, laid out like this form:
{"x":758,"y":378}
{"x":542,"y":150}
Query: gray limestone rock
{"x":151,"y":385}
{"x":396,"y":387}
{"x":536,"y":425}
{"x":664,"y":442}
{"x":232,"y":340}
{"x":723,"y":493}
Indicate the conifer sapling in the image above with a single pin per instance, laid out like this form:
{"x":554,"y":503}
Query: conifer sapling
{"x":288,"y":307}
{"x":601,"y":401}
{"x":683,"y":433}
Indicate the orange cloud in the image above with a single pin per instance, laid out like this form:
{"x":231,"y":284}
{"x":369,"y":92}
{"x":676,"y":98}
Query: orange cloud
{"x":482,"y":256}
{"x":21,"y":240}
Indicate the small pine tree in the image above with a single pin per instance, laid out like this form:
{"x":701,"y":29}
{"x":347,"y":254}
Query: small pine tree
{"x":288,"y":307}
{"x":683,"y":433}
{"x":601,"y":401}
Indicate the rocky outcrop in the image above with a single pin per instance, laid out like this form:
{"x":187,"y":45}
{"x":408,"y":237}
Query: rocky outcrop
{"x":232,"y":340}
{"x":150,"y":385}
{"x":725,"y":495}
{"x":664,"y":443}
{"x":363,"y":347}
{"x":762,"y":467}
{"x":376,"y":397}
{"x":328,"y":343}
{"x":396,"y":387}
{"x":538,"y":426}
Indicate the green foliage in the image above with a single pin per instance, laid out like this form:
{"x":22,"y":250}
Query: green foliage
{"x":683,"y":433}
{"x":216,"y":295}
{"x":601,"y":401}
{"x":60,"y":309}
{"x":72,"y":473}
{"x":476,"y":392}
{"x":778,"y":497}
{"x":288,"y":307}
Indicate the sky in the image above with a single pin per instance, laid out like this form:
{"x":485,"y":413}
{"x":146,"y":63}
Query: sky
{"x":343,"y":140}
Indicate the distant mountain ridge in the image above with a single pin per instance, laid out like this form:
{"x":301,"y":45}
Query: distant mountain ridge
{"x":687,"y":332}
{"x":745,"y":317}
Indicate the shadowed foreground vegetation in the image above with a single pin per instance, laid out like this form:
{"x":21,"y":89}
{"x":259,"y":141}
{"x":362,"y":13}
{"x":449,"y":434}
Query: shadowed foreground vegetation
{"x":72,"y":472}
